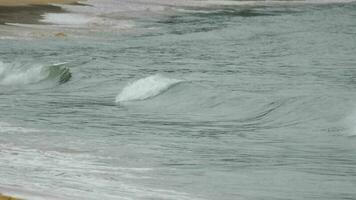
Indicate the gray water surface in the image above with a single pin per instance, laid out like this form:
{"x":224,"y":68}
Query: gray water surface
{"x":263,"y":108}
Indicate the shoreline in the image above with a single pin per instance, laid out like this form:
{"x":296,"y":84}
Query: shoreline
{"x":12,"y":3}
{"x":30,"y":14}
{"x":30,"y":11}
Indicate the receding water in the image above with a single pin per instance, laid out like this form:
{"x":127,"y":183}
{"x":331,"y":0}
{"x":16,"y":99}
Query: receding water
{"x":220,"y":102}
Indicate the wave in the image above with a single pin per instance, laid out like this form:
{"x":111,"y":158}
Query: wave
{"x":84,"y":20}
{"x":8,"y":128}
{"x":195,"y":101}
{"x":13,"y":74}
{"x":66,"y":19}
{"x":146,"y":88}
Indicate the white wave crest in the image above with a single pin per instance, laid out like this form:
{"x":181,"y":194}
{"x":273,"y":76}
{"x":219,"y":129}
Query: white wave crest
{"x":146,"y":88}
{"x":13,"y":74}
{"x":7,"y":128}
{"x":84,"y":20}
{"x":10,"y":76}
{"x":67,"y":19}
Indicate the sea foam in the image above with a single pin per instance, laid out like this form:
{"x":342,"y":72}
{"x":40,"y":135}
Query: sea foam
{"x":13,"y":74}
{"x":67,"y":19}
{"x":8,"y":128}
{"x":146,"y":88}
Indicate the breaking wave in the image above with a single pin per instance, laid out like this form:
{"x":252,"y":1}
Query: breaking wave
{"x":12,"y":74}
{"x":146,"y":88}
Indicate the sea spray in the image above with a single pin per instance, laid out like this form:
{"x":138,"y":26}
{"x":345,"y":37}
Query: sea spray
{"x":14,"y":74}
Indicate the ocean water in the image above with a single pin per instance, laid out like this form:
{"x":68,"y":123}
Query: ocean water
{"x":195,"y":100}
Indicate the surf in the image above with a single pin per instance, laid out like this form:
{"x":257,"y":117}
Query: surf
{"x":146,"y":88}
{"x":13,"y":74}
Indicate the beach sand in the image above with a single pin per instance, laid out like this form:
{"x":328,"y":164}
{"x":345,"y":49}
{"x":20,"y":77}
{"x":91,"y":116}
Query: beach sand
{"x":34,"y":2}
{"x":3,"y":197}
{"x":29,"y":11}
{"x":25,"y":14}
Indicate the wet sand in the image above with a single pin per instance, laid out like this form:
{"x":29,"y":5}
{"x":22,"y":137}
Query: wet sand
{"x":33,"y":2}
{"x":25,"y":14}
{"x":3,"y":197}
{"x":29,"y":11}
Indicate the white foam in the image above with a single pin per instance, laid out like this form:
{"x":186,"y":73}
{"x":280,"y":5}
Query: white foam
{"x":10,"y":75}
{"x":16,"y":77}
{"x":14,"y":74}
{"x":29,"y":172}
{"x":7,"y":38}
{"x":146,"y":88}
{"x":67,"y":19}
{"x":112,"y":14}
{"x":8,"y":128}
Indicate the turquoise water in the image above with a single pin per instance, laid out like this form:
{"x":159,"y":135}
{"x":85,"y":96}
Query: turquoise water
{"x":219,"y":102}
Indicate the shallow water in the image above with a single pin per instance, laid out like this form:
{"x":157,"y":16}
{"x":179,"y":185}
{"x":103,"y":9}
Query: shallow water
{"x":197,"y":102}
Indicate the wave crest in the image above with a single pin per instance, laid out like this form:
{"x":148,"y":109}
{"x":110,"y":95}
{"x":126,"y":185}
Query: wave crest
{"x":146,"y":88}
{"x":11,"y":74}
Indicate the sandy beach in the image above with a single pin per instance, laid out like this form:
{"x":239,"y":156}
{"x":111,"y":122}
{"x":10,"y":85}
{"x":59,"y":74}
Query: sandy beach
{"x":28,"y":11}
{"x":33,"y":2}
{"x":3,"y":197}
{"x":25,"y":14}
